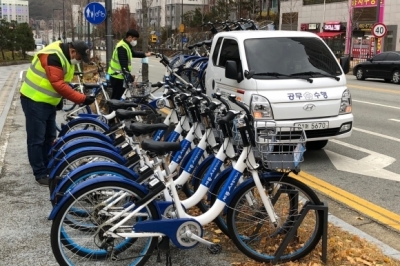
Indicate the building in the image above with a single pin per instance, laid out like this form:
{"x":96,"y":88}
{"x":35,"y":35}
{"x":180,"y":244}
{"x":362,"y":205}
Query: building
{"x":345,"y":25}
{"x":168,"y":12}
{"x":14,"y":10}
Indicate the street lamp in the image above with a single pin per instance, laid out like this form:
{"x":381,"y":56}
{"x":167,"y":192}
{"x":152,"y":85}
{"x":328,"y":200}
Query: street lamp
{"x":54,"y":39}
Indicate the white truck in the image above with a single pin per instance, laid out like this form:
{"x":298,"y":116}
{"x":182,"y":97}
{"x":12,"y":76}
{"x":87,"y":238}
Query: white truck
{"x":289,"y":77}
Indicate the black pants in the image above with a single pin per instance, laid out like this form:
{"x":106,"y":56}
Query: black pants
{"x":41,"y":132}
{"x":117,"y":88}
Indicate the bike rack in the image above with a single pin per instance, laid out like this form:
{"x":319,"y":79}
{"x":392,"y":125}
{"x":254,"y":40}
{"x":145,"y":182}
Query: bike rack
{"x":322,"y":209}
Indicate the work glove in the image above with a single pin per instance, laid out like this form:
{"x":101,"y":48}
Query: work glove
{"x":89,"y":100}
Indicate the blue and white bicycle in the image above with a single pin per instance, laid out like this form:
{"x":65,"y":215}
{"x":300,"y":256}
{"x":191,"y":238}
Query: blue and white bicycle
{"x":126,"y":222}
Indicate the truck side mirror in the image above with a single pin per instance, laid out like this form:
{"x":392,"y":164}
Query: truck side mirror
{"x":345,"y":64}
{"x":231,"y":71}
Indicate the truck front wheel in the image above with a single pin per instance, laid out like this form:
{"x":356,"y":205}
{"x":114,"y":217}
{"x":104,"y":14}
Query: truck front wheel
{"x":316,"y":145}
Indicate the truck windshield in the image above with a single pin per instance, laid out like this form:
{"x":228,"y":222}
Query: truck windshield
{"x":290,"y":56}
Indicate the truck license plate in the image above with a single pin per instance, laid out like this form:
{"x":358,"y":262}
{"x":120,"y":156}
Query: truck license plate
{"x":313,"y":125}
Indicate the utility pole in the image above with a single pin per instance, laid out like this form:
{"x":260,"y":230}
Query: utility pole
{"x":181,"y":26}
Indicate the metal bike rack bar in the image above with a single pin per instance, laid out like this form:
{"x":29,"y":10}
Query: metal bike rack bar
{"x":322,"y":210}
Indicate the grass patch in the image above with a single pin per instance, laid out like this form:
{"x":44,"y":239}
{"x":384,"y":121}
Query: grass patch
{"x":18,"y":57}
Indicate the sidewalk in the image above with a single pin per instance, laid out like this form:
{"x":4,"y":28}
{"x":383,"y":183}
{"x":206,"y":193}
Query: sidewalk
{"x":24,"y":228}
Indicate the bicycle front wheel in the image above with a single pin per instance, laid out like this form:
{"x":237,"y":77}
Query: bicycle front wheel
{"x":250,"y":227}
{"x":77,"y":247}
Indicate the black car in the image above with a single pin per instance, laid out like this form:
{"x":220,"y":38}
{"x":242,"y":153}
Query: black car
{"x":385,"y":66}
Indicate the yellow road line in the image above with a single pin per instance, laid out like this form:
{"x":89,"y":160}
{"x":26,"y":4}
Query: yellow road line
{"x":374,"y":89}
{"x":375,"y":212}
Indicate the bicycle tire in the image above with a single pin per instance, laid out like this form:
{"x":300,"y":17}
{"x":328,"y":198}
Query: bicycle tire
{"x":254,"y":254}
{"x":60,"y":168}
{"x":82,"y":175}
{"x":57,"y":232}
{"x":190,"y":75}
{"x":83,"y":121}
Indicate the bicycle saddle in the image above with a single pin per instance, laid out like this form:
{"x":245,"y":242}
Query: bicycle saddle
{"x":160,"y":147}
{"x":141,"y":129}
{"x":91,"y":85}
{"x":199,"y":44}
{"x":126,"y":114}
{"x":207,"y":43}
{"x":117,"y":104}
{"x":190,"y":47}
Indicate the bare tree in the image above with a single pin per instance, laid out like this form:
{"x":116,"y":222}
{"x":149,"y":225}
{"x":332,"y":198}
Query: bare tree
{"x":353,"y":24}
{"x":290,"y":15}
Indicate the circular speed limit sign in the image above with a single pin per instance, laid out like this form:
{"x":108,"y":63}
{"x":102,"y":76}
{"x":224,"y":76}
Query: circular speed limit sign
{"x":379,"y":30}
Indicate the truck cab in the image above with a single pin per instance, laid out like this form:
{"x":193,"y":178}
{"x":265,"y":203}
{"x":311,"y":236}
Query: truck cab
{"x":289,"y":77}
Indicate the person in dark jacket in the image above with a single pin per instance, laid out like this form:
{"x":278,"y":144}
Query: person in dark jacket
{"x":122,"y":59}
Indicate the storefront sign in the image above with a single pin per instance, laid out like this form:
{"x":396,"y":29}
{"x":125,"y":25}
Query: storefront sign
{"x":309,"y":26}
{"x":366,"y":3}
{"x":365,"y":26}
{"x":332,"y":27}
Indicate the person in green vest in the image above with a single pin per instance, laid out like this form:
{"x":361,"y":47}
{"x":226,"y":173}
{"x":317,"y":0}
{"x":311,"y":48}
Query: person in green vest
{"x":45,"y":84}
{"x":122,"y":59}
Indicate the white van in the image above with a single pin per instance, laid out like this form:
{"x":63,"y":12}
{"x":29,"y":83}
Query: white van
{"x":291,"y":77}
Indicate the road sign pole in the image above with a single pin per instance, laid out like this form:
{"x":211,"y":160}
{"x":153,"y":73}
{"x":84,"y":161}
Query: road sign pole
{"x":378,"y":12}
{"x":109,"y":45}
{"x":88,"y":29}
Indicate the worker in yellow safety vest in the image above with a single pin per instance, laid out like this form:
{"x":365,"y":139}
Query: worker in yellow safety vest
{"x":45,"y":84}
{"x":122,"y":59}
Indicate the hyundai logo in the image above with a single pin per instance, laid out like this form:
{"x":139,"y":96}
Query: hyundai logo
{"x":309,"y":107}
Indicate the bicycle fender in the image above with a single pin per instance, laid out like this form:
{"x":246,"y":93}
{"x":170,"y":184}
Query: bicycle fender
{"x":83,"y":120}
{"x":89,"y":143}
{"x":223,"y":175}
{"x":263,"y":176}
{"x":79,"y":134}
{"x":121,"y":160}
{"x":206,"y":162}
{"x":130,"y":174}
{"x":97,"y":180}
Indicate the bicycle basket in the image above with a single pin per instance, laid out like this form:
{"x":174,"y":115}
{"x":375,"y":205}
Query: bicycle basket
{"x":141,"y":91}
{"x":280,"y":147}
{"x":177,"y":61}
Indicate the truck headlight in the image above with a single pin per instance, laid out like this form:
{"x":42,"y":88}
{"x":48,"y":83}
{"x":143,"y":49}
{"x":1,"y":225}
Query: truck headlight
{"x":345,"y":103}
{"x":260,"y":107}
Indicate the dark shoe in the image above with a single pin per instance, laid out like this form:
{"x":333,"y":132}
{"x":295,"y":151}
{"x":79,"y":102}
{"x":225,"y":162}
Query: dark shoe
{"x":43,"y":181}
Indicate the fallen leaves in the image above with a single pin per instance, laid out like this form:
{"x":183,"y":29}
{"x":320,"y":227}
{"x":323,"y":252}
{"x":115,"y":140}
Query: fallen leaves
{"x":344,"y":249}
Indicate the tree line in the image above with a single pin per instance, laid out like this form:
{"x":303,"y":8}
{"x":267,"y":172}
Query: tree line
{"x":15,"y":37}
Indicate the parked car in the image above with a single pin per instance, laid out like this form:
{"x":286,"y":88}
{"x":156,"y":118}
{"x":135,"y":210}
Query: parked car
{"x":39,"y":47}
{"x":385,"y":66}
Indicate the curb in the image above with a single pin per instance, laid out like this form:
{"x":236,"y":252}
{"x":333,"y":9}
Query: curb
{"x":387,"y":250}
{"x":12,"y":63}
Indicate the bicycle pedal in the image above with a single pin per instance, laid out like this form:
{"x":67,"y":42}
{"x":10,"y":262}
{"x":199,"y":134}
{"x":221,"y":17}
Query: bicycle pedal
{"x":215,"y":249}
